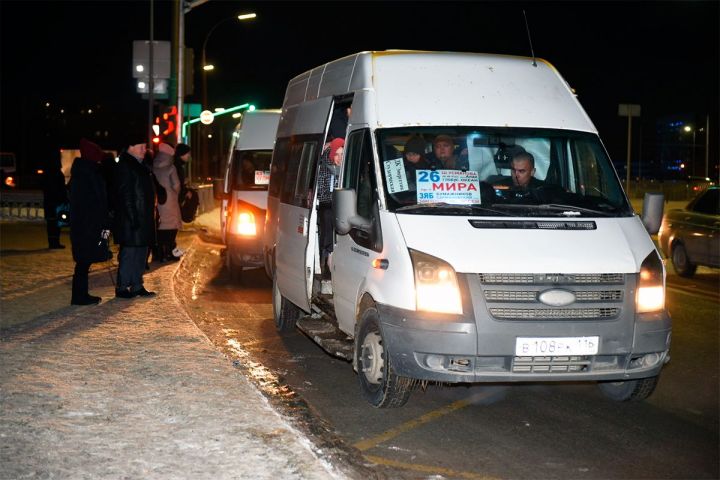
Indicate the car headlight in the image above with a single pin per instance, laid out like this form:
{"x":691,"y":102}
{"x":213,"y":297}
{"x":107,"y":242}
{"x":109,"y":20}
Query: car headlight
{"x":436,"y":286}
{"x":651,"y":285}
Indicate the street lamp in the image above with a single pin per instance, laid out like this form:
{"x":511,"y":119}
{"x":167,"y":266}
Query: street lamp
{"x":207,"y":67}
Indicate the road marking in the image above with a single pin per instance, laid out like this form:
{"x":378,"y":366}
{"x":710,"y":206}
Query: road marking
{"x":428,"y":469}
{"x":369,"y":443}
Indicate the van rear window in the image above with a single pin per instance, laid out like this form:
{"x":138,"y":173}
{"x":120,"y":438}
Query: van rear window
{"x":250,"y":169}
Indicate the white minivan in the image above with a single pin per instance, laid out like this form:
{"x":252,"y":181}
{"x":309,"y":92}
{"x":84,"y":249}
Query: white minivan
{"x":455,"y":271}
{"x":244,"y":198}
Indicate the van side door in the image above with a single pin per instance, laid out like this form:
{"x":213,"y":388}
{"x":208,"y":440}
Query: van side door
{"x":296,"y":231}
{"x":353,"y":253}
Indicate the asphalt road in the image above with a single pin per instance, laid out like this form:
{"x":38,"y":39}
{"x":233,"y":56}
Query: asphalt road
{"x":485,"y":431}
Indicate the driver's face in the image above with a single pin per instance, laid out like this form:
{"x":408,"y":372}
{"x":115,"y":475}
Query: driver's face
{"x":522,"y":172}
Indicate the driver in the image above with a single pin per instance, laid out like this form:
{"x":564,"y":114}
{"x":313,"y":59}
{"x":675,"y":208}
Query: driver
{"x":522,"y":171}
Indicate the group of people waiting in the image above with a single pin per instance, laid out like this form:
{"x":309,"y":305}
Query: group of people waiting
{"x":137,"y":198}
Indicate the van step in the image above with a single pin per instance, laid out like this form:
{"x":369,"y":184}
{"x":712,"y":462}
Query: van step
{"x":324,"y":331}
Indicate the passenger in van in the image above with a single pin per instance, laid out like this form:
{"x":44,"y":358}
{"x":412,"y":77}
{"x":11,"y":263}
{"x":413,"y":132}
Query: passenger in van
{"x":443,"y":155}
{"x":414,"y":159}
{"x":247,"y":169}
{"x":327,"y":182}
{"x":339,"y":122}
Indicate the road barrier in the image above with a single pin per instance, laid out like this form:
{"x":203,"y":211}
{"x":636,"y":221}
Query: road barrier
{"x":21,"y":205}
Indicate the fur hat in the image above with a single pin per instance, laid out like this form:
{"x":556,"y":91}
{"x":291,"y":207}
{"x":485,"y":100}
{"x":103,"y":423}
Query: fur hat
{"x":334,"y":145}
{"x":444,"y":138}
{"x":165,"y":148}
{"x":415,"y":145}
{"x":91,"y":151}
{"x":181,"y":149}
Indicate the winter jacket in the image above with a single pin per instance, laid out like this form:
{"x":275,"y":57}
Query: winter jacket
{"x":88,"y":208}
{"x":134,"y":203}
{"x":167,"y":176}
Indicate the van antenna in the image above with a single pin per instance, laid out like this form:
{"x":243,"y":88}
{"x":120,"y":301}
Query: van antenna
{"x":532,"y":52}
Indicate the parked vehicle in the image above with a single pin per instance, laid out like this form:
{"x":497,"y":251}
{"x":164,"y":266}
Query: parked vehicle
{"x":244,"y":197}
{"x":453,"y":273}
{"x":691,"y":236}
{"x":8,"y":168}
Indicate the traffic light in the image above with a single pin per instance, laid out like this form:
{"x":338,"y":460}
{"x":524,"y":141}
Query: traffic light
{"x":156,"y":131}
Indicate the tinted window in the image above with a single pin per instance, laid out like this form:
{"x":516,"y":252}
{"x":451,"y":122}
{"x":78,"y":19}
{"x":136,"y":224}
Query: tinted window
{"x":708,"y":202}
{"x":250,"y":169}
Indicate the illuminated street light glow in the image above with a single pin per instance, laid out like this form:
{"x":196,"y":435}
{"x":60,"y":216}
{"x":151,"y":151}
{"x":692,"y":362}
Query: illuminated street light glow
{"x":688,"y":128}
{"x":139,"y":68}
{"x":246,"y":16}
{"x":209,"y":67}
{"x":219,"y":109}
{"x":141,"y":85}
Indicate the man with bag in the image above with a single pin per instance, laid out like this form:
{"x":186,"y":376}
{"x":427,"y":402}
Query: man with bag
{"x":134,"y":220}
{"x":89,"y":219}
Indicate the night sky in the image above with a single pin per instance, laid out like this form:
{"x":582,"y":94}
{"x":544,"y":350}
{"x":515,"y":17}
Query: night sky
{"x":77,"y":55}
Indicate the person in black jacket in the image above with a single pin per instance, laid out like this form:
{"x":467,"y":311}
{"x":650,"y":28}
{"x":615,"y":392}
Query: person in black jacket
{"x":54,"y":194}
{"x":89,"y":219}
{"x":134,"y":220}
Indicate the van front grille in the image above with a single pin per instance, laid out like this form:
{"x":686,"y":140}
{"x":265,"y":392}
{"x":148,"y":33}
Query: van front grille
{"x":554,"y":313}
{"x":553,"y":296}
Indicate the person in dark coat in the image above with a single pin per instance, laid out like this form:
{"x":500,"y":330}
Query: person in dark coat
{"x":54,"y":194}
{"x":89,"y":218}
{"x":135,"y":204}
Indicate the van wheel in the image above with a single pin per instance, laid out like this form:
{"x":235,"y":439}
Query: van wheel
{"x":681,"y":261}
{"x":629,"y":390}
{"x":379,"y":384}
{"x":285,"y":312}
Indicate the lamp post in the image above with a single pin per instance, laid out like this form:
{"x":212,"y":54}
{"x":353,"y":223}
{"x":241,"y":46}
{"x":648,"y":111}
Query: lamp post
{"x":689,"y":129}
{"x":207,"y":68}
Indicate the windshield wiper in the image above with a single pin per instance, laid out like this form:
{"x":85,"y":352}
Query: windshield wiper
{"x":563,"y":210}
{"x":448,"y":207}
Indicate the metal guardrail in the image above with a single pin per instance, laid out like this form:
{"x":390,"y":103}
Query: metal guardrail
{"x":21,"y":205}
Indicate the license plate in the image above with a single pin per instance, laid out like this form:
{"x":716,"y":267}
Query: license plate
{"x":555,"y":346}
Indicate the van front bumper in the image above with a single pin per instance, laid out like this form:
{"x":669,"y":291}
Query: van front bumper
{"x":444,"y":348}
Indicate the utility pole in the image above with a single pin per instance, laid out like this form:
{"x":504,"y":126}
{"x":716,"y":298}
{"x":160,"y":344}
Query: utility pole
{"x":151,"y":79}
{"x":628,"y":110}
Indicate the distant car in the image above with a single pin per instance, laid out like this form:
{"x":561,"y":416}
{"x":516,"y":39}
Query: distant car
{"x":691,"y":236}
{"x":697,"y":184}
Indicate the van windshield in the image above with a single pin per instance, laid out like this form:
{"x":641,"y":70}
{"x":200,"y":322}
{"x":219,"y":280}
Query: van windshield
{"x":498,"y":171}
{"x":250,"y":169}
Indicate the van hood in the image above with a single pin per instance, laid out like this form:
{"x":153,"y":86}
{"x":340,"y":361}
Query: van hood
{"x":617,"y":245}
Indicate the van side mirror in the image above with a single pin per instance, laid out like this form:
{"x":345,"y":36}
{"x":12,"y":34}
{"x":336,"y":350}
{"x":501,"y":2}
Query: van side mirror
{"x":219,"y":189}
{"x":345,"y":212}
{"x":652,"y":213}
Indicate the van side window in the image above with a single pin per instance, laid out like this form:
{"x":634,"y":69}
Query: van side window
{"x":298,"y":173}
{"x":306,"y":175}
{"x":360,"y":175}
{"x":278,"y":167}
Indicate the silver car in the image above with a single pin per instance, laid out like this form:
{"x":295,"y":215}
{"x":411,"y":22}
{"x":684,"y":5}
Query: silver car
{"x":691,"y":236}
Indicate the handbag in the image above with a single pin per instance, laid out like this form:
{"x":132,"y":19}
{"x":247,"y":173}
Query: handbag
{"x":189,"y":204}
{"x":62,"y":213}
{"x":101,"y":251}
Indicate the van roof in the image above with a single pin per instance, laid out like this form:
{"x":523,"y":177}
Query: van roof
{"x":447,"y":88}
{"x":256,"y":130}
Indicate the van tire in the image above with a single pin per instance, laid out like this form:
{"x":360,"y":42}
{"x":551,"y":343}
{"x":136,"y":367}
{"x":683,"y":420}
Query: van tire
{"x":285,"y":313}
{"x":380,"y":386}
{"x":681,"y":262}
{"x":629,"y":390}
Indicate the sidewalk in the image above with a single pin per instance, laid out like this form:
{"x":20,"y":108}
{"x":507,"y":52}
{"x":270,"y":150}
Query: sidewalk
{"x":127,"y":389}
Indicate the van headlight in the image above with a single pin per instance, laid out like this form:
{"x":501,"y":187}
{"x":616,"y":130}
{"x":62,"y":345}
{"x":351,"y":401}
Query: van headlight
{"x":436,"y":286}
{"x":651,"y":285}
